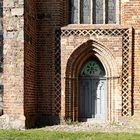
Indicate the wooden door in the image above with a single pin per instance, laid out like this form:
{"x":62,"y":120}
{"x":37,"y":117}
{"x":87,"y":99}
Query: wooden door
{"x":85,"y":99}
{"x":92,"y":98}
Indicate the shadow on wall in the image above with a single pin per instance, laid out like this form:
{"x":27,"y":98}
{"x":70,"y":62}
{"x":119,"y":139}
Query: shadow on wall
{"x":132,"y":93}
{"x":1,"y":56}
{"x":52,"y":118}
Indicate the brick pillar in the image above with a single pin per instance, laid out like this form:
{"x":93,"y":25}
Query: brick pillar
{"x":13,"y":77}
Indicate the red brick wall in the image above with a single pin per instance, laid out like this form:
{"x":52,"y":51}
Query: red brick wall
{"x":131,"y":16}
{"x":30,"y":90}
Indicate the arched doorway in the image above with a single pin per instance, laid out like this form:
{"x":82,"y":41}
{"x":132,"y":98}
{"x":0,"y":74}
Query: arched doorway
{"x":108,"y":83}
{"x":92,"y":97}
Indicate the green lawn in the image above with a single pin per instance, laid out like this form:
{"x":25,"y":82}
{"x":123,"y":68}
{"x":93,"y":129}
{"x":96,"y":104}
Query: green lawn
{"x":53,"y":135}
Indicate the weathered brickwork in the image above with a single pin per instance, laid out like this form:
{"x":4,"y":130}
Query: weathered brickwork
{"x":13,"y":77}
{"x":30,"y":90}
{"x":42,"y":52}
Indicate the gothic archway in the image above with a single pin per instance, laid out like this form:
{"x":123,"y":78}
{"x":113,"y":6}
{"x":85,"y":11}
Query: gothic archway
{"x":83,"y":53}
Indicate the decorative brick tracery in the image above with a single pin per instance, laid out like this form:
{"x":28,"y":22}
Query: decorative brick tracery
{"x":124,"y":33}
{"x":57,"y":73}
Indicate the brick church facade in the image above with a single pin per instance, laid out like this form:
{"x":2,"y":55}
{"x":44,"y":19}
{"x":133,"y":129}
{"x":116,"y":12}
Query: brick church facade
{"x":69,"y":59}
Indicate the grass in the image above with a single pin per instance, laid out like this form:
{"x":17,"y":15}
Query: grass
{"x":38,"y":134}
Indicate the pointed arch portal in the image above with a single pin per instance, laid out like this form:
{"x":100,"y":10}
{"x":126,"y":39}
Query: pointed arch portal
{"x":78,"y":45}
{"x":88,"y":91}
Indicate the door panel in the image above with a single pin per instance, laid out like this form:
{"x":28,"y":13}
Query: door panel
{"x":101,"y":99}
{"x":85,"y":108}
{"x":92,"y":98}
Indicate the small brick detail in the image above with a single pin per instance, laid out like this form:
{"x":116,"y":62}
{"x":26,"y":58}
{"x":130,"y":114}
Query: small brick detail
{"x":1,"y":57}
